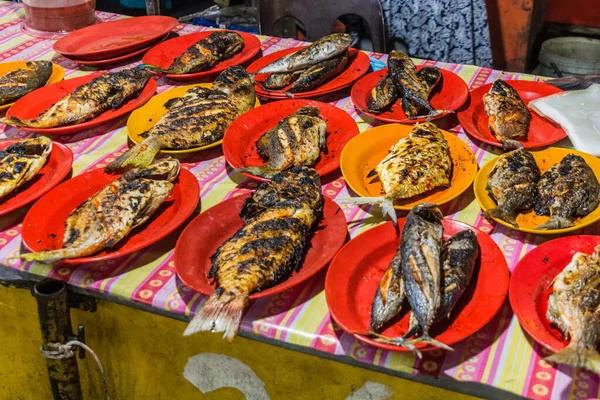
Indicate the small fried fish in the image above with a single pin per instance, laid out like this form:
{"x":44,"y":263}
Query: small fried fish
{"x":574,"y":307}
{"x":21,"y":81}
{"x":319,"y":73}
{"x":21,"y":161}
{"x":509,"y":117}
{"x":566,"y":191}
{"x":513,"y":184}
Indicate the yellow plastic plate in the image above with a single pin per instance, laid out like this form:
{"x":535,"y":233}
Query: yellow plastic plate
{"x":150,"y":113}
{"x":528,"y":221}
{"x":366,"y":150}
{"x":58,"y":73}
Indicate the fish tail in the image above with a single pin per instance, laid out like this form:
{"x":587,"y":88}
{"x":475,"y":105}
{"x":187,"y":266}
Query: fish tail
{"x":264,"y":171}
{"x":429,"y":340}
{"x":578,"y":356}
{"x":432,"y":114}
{"x":153,"y":68}
{"x":555,"y":222}
{"x":220,"y":313}
{"x":51,"y":256}
{"x":400,"y":341}
{"x":511,"y":144}
{"x":139,"y":156}
{"x":387,"y":205}
{"x":11,"y":121}
{"x":500,"y":213}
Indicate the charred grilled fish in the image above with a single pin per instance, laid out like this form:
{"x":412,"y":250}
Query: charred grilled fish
{"x":106,"y":92}
{"x":323,"y":49}
{"x":513,"y":184}
{"x":19,"y":82}
{"x":429,"y":78}
{"x":278,"y":219}
{"x":389,"y":296}
{"x":280,"y":80}
{"x":107,"y":217}
{"x":297,"y":140}
{"x":198,"y":118}
{"x":574,"y":307}
{"x":508,"y":115}
{"x":566,"y":191}
{"x":21,"y":161}
{"x":319,"y":73}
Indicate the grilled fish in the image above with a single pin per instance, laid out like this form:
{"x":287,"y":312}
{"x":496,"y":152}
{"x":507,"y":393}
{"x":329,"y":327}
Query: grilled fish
{"x":513,"y":184}
{"x":278,"y":219}
{"x":19,"y":82}
{"x":107,"y":217}
{"x":566,"y":191}
{"x":389,"y":296}
{"x":206,"y":53}
{"x":198,"y":118}
{"x":319,"y":73}
{"x":574,"y":307}
{"x":21,"y":161}
{"x":297,"y":140}
{"x":280,"y":80}
{"x":323,"y":49}
{"x":106,"y":92}
{"x":429,"y":78}
{"x":508,"y":115}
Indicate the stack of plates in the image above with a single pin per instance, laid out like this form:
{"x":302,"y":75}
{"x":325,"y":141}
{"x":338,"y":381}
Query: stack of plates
{"x":112,"y":42}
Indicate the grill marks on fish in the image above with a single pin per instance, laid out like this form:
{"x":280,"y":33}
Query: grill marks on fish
{"x":278,"y":219}
{"x":574,"y":307}
{"x":107,"y":217}
{"x":513,"y":184}
{"x":103,"y":93}
{"x":21,"y":161}
{"x":198,"y":118}
{"x":509,"y":117}
{"x":21,"y":81}
{"x":297,"y":140}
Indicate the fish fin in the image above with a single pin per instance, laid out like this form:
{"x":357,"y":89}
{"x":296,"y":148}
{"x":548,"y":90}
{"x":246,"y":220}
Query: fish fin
{"x":220,"y":313}
{"x":387,"y":205}
{"x":429,"y":340}
{"x":51,"y":256}
{"x":500,"y":213}
{"x":432,"y":114}
{"x":555,"y":222}
{"x":372,"y":173}
{"x":169,"y":103}
{"x":577,"y":356}
{"x":511,"y":144}
{"x":11,"y":121}
{"x":263,"y":170}
{"x":140,"y":155}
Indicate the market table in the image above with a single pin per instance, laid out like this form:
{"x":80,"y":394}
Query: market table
{"x":500,"y":355}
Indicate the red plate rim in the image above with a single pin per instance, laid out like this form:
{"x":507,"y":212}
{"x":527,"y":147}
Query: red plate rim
{"x":41,"y":96}
{"x":361,"y":62}
{"x":330,"y":207}
{"x":241,"y":124}
{"x":339,"y":305}
{"x":62,"y":158}
{"x":186,"y":183}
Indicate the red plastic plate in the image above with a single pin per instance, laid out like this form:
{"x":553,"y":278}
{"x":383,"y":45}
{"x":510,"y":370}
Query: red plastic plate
{"x":531,"y":280}
{"x":56,"y":169}
{"x":449,"y":94}
{"x":542,"y":132}
{"x":111,"y":60}
{"x":43,"y":230}
{"x":239,"y":143}
{"x":210,"y":229}
{"x":38,"y":101}
{"x":358,"y":66}
{"x":356,"y":271}
{"x":114,"y":38}
{"x":163,"y":54}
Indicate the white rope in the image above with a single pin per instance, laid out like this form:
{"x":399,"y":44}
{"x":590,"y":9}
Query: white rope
{"x":62,"y":351}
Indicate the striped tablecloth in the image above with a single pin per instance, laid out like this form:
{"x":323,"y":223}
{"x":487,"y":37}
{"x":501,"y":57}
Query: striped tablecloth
{"x":500,"y":354}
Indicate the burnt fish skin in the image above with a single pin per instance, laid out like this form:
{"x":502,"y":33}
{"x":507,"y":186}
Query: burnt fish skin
{"x":429,"y":77}
{"x":389,"y":296}
{"x":280,"y":80}
{"x":513,"y":184}
{"x":319,"y":73}
{"x":323,"y":49}
{"x":105,"y":92}
{"x":21,"y":81}
{"x":574,"y":307}
{"x":567,"y":191}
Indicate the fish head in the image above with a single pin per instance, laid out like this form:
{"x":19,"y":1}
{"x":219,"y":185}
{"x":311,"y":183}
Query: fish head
{"x":428,"y":211}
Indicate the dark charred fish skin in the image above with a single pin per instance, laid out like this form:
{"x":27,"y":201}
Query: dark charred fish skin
{"x":508,"y":115}
{"x":19,"y":82}
{"x":105,"y":92}
{"x":206,"y":53}
{"x":319,"y":73}
{"x":389,"y":296}
{"x":512,"y":183}
{"x":567,"y":191}
{"x":429,"y":77}
{"x":277,"y":81}
{"x":383,"y":95}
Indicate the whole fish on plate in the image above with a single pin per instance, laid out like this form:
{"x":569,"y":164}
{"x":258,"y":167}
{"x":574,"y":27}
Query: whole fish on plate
{"x":110,"y":215}
{"x":105,"y":92}
{"x":574,"y":307}
{"x":513,"y":184}
{"x":297,"y":140}
{"x":319,"y":73}
{"x":21,"y":81}
{"x":278,"y":220}
{"x":198,"y":118}
{"x":566,"y":191}
{"x":21,"y":161}
{"x":509,"y":117}
{"x":323,"y":49}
